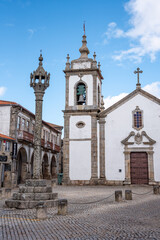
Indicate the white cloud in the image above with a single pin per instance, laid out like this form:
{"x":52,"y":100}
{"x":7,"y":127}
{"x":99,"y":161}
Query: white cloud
{"x":144,"y":33}
{"x":109,"y":101}
{"x":2,"y":91}
{"x":153,"y":88}
{"x":31,"y":32}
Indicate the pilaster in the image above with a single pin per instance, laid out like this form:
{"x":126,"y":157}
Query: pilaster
{"x":94,"y":163}
{"x":102,"y":147}
{"x":66,"y":149}
{"x":94,"y":89}
{"x":67,"y":90}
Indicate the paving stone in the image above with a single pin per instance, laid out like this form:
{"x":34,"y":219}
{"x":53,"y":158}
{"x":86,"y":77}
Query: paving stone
{"x":88,"y":217}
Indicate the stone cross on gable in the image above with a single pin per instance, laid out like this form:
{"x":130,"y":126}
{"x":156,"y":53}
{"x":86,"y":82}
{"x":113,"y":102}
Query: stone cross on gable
{"x":138,"y":72}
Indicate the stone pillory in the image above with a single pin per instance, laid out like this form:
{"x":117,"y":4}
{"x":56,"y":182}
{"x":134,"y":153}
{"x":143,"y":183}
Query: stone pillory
{"x":39,"y":80}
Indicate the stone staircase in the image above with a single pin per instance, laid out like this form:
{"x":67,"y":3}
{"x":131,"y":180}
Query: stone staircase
{"x":33,"y":193}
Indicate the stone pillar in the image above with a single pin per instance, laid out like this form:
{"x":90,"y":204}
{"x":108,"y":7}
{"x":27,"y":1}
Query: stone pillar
{"x":94,"y":163}
{"x":127,"y":168}
{"x":150,"y":167}
{"x":156,"y":190}
{"x":37,"y":135}
{"x":118,"y":196}
{"x":128,"y":194}
{"x":102,"y":147}
{"x":39,"y":82}
{"x":62,"y":207}
{"x":66,"y":149}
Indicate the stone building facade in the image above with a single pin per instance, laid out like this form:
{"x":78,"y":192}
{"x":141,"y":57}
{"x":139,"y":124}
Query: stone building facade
{"x":18,"y":123}
{"x":118,"y":145}
{"x":6,"y":148}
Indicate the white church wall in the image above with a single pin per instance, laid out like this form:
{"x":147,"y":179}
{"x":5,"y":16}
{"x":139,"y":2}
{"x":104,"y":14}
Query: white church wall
{"x":118,"y":127}
{"x":88,"y":79}
{"x":98,"y":150}
{"x":80,"y":160}
{"x":5,"y":120}
{"x":80,"y":133}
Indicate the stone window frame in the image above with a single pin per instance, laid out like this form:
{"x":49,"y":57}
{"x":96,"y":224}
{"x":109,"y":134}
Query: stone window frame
{"x":75,"y":91}
{"x":78,"y":124}
{"x":137,"y":109}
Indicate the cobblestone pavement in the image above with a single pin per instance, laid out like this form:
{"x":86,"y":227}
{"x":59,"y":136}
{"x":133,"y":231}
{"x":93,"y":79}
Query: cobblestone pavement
{"x":136,"y":219}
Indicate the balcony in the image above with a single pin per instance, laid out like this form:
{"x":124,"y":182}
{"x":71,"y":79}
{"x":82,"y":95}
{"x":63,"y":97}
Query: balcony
{"x":29,"y":137}
{"x":25,"y":136}
{"x":50,"y":146}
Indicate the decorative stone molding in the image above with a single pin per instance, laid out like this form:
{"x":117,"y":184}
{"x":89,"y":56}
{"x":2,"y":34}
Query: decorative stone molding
{"x":80,"y":124}
{"x":138,"y":139}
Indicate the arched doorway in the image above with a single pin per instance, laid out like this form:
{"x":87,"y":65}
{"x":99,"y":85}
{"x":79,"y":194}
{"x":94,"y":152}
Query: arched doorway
{"x":53,"y":168}
{"x":21,"y":166}
{"x":45,"y":167}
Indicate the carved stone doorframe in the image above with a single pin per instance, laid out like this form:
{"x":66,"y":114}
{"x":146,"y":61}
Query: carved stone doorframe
{"x":149,"y":151}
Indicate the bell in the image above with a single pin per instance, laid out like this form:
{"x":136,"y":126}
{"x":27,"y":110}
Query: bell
{"x":81,"y":100}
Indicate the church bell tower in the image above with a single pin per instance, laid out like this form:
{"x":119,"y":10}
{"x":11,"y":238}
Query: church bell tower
{"x":83,"y":100}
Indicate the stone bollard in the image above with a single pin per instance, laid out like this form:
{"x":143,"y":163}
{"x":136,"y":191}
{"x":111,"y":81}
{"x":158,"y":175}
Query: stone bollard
{"x":7,"y":193}
{"x":156,"y":190}
{"x":62,"y":207}
{"x":118,"y":196}
{"x":128,"y":194}
{"x":41,"y":211}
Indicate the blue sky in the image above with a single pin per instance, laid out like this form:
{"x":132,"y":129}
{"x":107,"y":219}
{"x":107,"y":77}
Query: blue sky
{"x":125,"y":34}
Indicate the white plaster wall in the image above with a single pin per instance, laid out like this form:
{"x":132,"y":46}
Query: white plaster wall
{"x":98,"y":149}
{"x":5,"y":119}
{"x":80,"y":133}
{"x":80,"y":160}
{"x":88,"y":79}
{"x":82,"y":65}
{"x":118,"y":127}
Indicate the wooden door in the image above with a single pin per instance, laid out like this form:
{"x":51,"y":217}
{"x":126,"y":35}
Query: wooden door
{"x":139,"y":168}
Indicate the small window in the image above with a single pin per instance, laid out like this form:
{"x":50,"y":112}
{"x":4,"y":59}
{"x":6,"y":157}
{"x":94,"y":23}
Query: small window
{"x":23,"y":123}
{"x":81,"y":94}
{"x":137,"y":119}
{"x":80,"y":124}
{"x":19,"y":123}
{"x":7,"y":146}
{"x":27,"y":126}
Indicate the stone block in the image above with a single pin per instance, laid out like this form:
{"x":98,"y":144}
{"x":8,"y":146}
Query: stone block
{"x":54,"y":195}
{"x":15,"y":196}
{"x":41,"y":212}
{"x":8,"y":193}
{"x":42,"y":189}
{"x":24,"y":189}
{"x":62,"y":207}
{"x":35,"y":183}
{"x":26,"y":196}
{"x":54,"y":182}
{"x":128,"y":194}
{"x":12,"y":203}
{"x":156,"y":190}
{"x":42,"y":196}
{"x":49,"y":189}
{"x":118,"y":196}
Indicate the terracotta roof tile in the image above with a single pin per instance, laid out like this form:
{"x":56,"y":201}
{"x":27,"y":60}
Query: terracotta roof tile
{"x":7,"y":102}
{"x":6,"y":137}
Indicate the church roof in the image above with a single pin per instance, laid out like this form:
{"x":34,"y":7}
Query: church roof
{"x":127,"y":98}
